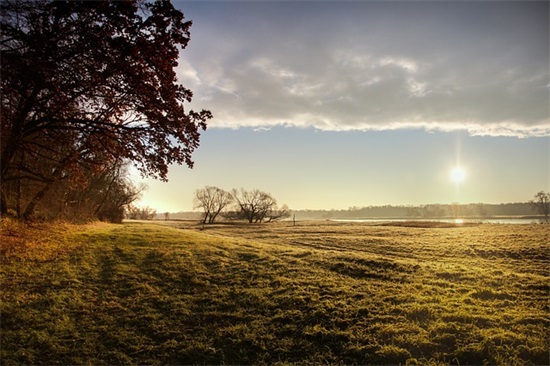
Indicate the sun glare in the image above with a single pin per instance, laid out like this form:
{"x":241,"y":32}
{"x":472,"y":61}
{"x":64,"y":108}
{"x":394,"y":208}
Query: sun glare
{"x":458,"y":174}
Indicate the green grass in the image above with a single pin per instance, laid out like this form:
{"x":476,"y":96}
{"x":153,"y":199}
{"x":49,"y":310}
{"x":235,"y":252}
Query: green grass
{"x":336,"y":293}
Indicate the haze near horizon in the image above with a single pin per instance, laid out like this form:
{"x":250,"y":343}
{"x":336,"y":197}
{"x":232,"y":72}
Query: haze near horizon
{"x":338,"y":104}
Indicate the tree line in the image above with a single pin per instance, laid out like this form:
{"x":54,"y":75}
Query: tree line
{"x":87,"y":88}
{"x":538,"y":205}
{"x":254,"y":206}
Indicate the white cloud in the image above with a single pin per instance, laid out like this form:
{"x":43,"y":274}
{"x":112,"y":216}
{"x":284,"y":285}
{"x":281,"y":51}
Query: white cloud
{"x":417,"y":88}
{"x":404,"y":63}
{"x":187,"y":74}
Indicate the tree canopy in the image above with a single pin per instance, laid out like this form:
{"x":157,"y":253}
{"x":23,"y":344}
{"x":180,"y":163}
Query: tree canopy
{"x":88,"y":84}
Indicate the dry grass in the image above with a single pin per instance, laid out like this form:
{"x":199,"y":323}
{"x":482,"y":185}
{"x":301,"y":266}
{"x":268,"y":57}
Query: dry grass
{"x":21,"y":241}
{"x":320,"y":292}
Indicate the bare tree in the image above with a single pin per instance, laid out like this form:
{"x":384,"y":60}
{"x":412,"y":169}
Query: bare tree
{"x":141,"y":213}
{"x":541,"y":202}
{"x":113,"y":193}
{"x":257,"y":206}
{"x":278,"y":213}
{"x":212,"y":200}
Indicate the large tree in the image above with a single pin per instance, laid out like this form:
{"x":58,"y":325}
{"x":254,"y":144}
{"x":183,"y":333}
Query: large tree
{"x":85,"y":84}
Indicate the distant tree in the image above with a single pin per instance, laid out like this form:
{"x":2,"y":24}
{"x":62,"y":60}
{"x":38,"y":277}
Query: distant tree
{"x":432,"y":211}
{"x":278,"y":213}
{"x":456,"y":209}
{"x":88,"y":83}
{"x":141,"y":213}
{"x":541,"y":202}
{"x":166,"y":216}
{"x":250,"y":204}
{"x":481,"y":209}
{"x":413,"y":212}
{"x":257,"y":206}
{"x":212,"y":200}
{"x":132,"y":212}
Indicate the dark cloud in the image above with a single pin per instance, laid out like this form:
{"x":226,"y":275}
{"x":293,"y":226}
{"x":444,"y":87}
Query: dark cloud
{"x":478,"y":66}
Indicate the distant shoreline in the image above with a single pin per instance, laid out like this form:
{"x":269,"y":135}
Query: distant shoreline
{"x":503,"y":219}
{"x":460,"y":220}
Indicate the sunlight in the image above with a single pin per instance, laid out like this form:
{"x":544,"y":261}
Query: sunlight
{"x":458,"y":174}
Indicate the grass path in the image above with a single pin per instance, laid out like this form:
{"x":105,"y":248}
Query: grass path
{"x":265,"y":294}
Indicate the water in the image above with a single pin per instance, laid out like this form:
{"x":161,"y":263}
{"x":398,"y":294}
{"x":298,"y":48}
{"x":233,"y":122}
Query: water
{"x":456,"y":221}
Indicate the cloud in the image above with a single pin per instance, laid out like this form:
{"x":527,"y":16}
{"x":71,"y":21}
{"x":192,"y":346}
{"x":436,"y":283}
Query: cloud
{"x":375,"y":66}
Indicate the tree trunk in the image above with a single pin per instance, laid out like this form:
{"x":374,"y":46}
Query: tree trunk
{"x":3,"y":204}
{"x":115,"y":176}
{"x":29,"y":210}
{"x":8,"y":151}
{"x":31,"y":206}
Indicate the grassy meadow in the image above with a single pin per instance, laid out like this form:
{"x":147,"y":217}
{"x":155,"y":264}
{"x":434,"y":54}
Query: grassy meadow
{"x":319,"y":292}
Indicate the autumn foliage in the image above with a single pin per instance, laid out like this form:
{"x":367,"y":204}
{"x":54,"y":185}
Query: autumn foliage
{"x":86,"y":87}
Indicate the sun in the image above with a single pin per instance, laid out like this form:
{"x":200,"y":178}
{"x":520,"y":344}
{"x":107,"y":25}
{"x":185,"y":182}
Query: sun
{"x":458,"y":174}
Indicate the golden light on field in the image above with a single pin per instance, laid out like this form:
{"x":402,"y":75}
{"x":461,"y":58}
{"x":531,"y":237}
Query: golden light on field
{"x":458,"y":174}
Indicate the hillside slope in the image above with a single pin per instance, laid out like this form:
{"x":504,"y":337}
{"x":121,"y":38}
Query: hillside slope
{"x":262,"y":294}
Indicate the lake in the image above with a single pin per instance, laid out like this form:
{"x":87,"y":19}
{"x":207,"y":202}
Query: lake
{"x":459,"y":221}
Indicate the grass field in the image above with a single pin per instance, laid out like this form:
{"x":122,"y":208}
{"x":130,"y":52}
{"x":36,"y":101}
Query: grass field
{"x":319,"y":292}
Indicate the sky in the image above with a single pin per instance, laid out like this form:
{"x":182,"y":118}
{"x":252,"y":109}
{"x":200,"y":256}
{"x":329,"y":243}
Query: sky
{"x":334,"y":104}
